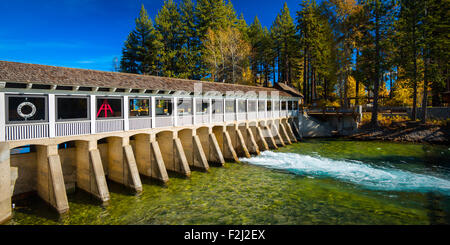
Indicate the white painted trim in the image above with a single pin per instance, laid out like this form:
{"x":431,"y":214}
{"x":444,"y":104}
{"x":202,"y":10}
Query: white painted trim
{"x":175,"y":111}
{"x":236,"y":110}
{"x":153,"y":106}
{"x":2,"y":117}
{"x":92,"y":111}
{"x":265,"y":108}
{"x":210,"y":110}
{"x":51,"y":115}
{"x":194,"y":110}
{"x":126,"y":122}
{"x":224,"y":107}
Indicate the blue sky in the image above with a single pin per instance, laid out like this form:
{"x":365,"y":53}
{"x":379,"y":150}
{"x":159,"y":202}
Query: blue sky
{"x":89,"y":33}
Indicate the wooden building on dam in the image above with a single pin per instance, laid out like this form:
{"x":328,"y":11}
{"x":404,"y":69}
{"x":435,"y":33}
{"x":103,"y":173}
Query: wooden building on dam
{"x":64,"y":128}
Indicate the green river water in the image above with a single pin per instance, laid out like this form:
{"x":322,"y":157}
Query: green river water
{"x":317,"y":181}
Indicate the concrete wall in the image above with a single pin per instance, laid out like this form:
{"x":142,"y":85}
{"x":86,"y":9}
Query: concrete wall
{"x":313,"y":127}
{"x":122,"y":157}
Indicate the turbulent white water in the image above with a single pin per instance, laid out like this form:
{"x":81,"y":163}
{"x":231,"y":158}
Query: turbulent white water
{"x":356,"y":172}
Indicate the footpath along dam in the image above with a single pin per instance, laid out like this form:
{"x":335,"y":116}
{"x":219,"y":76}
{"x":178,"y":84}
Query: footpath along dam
{"x":64,"y":128}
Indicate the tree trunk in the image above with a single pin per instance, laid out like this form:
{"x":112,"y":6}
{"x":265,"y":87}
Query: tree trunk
{"x":374,"y":119}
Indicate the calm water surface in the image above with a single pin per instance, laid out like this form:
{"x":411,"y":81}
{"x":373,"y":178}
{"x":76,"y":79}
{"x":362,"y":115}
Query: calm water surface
{"x":317,"y":181}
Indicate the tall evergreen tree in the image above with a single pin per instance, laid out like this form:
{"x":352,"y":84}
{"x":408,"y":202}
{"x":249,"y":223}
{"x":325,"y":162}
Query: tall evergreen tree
{"x":377,"y":37}
{"x":168,"y":25}
{"x":190,"y":41}
{"x":140,"y":54}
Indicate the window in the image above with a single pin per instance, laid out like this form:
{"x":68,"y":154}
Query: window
{"x":217,"y":106}
{"x":252,"y":105}
{"x":269,"y":105}
{"x":109,"y":107}
{"x":242,"y":106}
{"x":184,"y":107}
{"x":72,"y":108}
{"x":283,"y":105}
{"x":261,"y":105}
{"x":290,"y":105}
{"x":164,"y":107}
{"x":276,"y":105}
{"x":230,"y":106}
{"x":139,"y":107}
{"x":26,"y":108}
{"x":202,"y":106}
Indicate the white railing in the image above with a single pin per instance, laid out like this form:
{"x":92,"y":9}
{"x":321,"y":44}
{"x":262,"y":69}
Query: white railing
{"x":163,"y":121}
{"x":242,"y":116}
{"x":276,"y":114}
{"x":27,"y":131}
{"x":269,"y":114}
{"x":261,"y":114}
{"x":140,"y":123}
{"x":230,"y":117}
{"x":283,"y":113}
{"x":73,"y":128}
{"x":113,"y":125}
{"x":203,"y":118}
{"x":185,"y":120}
{"x":292,"y":113}
{"x":218,"y":117}
{"x":251,"y":115}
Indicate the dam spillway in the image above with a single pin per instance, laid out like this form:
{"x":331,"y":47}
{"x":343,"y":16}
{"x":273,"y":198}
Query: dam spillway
{"x":64,"y":128}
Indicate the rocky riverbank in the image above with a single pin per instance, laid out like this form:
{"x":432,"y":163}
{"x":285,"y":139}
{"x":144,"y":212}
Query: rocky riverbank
{"x":406,"y":132}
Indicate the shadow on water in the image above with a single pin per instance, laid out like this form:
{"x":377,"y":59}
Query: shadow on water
{"x":33,"y":205}
{"x":436,"y":214}
{"x":153,"y":182}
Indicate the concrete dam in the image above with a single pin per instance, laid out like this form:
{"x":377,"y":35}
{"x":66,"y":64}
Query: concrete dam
{"x":64,"y":128}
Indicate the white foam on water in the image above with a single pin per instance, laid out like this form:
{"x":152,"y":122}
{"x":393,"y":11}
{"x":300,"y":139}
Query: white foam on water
{"x":357,"y":172}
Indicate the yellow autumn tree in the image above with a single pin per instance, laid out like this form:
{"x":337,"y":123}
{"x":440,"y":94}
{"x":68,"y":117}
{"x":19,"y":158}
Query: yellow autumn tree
{"x":362,"y":94}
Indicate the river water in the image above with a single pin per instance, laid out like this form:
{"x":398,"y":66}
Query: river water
{"x":317,"y":181}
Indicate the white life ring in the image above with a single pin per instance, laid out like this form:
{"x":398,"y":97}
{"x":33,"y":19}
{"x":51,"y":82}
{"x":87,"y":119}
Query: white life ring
{"x":26,"y":103}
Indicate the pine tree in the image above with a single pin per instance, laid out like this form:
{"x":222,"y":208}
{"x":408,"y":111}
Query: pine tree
{"x":256,"y":35}
{"x":190,"y":53}
{"x":380,"y":16}
{"x":409,"y":40}
{"x":168,"y":25}
{"x":141,"y":50}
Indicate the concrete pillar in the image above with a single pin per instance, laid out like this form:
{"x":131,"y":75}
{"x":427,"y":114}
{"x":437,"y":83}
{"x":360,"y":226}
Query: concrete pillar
{"x":251,"y":142}
{"x":5,"y":183}
{"x":276,"y":134}
{"x":50,"y":180}
{"x":295,"y":128}
{"x":215,"y":154}
{"x":199,"y":155}
{"x":269,"y":137}
{"x":180,"y":158}
{"x":284,"y":133}
{"x":224,"y":140}
{"x":122,"y":166}
{"x":238,"y":141}
{"x":172,"y":153}
{"x":193,"y":149}
{"x":290,"y":132}
{"x":259,"y":137}
{"x":90,"y":174}
{"x":148,"y":157}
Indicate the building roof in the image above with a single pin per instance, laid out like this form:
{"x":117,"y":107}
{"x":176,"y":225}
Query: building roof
{"x":15,"y":72}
